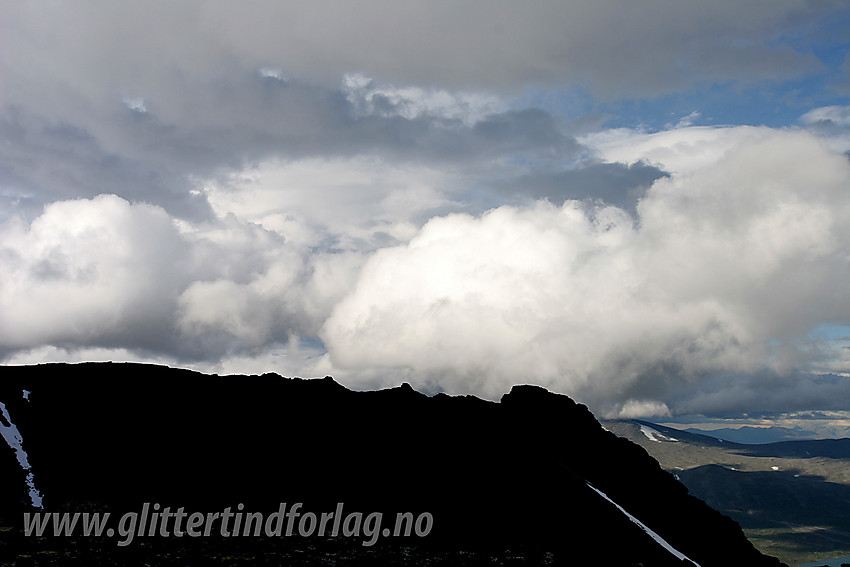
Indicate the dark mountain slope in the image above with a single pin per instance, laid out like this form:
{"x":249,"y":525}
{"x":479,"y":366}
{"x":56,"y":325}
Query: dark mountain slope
{"x":492,"y":475}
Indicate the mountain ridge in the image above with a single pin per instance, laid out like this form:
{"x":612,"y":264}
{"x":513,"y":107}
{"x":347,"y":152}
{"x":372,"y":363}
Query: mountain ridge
{"x":512,"y":472}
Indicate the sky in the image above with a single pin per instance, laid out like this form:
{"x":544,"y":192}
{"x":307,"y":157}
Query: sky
{"x":643,"y":205}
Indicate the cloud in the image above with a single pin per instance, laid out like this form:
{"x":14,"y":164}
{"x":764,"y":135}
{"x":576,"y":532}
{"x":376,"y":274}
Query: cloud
{"x":728,"y":269}
{"x":828,"y":115}
{"x":358,"y":203}
{"x":679,"y":150}
{"x":832,"y":123}
{"x":139,"y":101}
{"x":613,"y":46}
{"x":369,"y":97}
{"x":701,"y":295}
{"x":615,"y":183}
{"x":765,"y":393}
{"x":98,"y":271}
{"x":136,"y":105}
{"x":229,"y":186}
{"x":158,"y":148}
{"x":642,"y":408}
{"x":106,"y":274}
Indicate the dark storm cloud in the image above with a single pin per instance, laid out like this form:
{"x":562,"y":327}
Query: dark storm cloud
{"x":618,"y":184}
{"x":141,"y":100}
{"x":614,"y":46}
{"x":45,"y":161}
{"x":153,"y":154}
{"x":763,"y":393}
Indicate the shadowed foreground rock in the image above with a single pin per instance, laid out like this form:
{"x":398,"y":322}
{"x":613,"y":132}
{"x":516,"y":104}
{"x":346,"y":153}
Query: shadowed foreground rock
{"x":502,"y":482}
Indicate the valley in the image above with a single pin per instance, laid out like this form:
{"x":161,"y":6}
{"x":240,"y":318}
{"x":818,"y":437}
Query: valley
{"x":791,"y":498}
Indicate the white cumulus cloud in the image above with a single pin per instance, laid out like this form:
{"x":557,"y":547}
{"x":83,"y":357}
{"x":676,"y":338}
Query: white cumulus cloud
{"x":87,"y":270}
{"x":725,"y":268}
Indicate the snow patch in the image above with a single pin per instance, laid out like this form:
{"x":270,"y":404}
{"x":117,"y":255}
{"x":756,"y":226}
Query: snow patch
{"x":661,"y":541}
{"x":10,"y":433}
{"x":655,"y":435}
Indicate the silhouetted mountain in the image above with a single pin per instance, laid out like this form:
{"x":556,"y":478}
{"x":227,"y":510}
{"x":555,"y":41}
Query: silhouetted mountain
{"x":494,"y":476}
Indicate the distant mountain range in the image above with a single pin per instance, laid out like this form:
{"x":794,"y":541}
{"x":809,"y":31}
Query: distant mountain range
{"x":753,"y":435}
{"x":530,"y":480}
{"x":790,"y":497}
